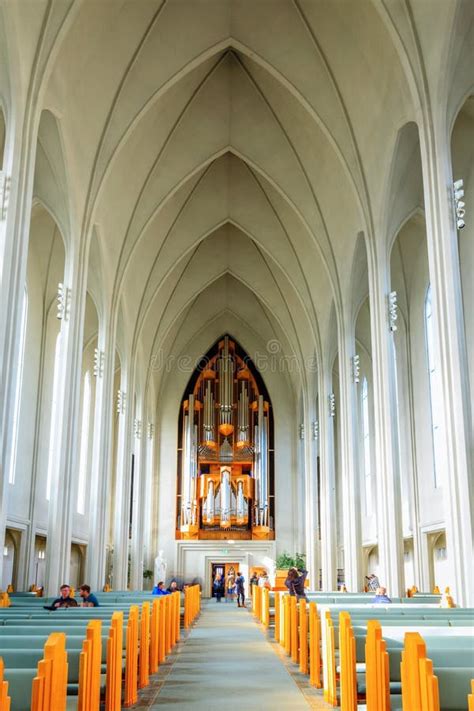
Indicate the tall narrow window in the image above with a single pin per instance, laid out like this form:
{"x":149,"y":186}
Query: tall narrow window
{"x":54,"y":415}
{"x":366,"y":447}
{"x":19,"y":381}
{"x":84,"y":453}
{"x":435,"y":388}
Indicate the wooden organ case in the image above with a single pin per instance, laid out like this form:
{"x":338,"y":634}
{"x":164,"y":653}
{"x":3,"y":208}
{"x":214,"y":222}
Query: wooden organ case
{"x":225,"y":452}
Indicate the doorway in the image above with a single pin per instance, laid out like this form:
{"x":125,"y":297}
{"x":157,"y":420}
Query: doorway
{"x":223,"y":569}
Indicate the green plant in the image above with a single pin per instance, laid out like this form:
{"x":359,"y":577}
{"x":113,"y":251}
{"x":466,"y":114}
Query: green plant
{"x":147,"y":574}
{"x":300,"y":561}
{"x":285,"y":560}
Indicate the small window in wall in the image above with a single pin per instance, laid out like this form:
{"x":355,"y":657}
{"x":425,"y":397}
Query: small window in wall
{"x":19,"y":381}
{"x":84,"y":453}
{"x":366,"y":447}
{"x":435,"y":388}
{"x":54,"y":416}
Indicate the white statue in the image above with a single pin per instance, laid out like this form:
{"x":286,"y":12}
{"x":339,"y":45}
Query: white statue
{"x":160,"y":568}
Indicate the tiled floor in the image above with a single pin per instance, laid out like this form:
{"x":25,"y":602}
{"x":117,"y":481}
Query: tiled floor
{"x":224,"y":663}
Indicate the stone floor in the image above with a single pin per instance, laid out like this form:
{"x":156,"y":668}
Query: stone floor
{"x":227,"y":662}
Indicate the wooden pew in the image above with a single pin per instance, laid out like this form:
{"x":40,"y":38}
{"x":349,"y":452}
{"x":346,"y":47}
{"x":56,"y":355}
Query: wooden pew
{"x":5,"y":700}
{"x":49,"y":690}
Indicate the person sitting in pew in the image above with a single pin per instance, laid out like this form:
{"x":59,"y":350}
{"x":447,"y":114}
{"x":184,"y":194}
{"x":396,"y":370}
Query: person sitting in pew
{"x":372,"y":582}
{"x":159,"y":589}
{"x":173,"y":587}
{"x":63,"y":600}
{"x":381,"y":596}
{"x":88,"y":598}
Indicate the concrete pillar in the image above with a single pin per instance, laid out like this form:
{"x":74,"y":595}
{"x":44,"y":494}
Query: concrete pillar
{"x":67,"y":428}
{"x":138,"y":503}
{"x":310,"y":493}
{"x":328,"y":485}
{"x":105,"y":401}
{"x":349,"y":461}
{"x":18,"y":166}
{"x":387,"y":468}
{"x":445,"y":278}
{"x":122,"y":493}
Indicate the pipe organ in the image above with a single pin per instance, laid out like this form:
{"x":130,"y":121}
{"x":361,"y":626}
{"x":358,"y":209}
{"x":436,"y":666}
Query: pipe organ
{"x":225,"y":487}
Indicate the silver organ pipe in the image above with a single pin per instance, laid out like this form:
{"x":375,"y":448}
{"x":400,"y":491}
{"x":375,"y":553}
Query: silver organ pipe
{"x":210,"y":503}
{"x":226,"y":381}
{"x":243,"y":415}
{"x":261,"y":468}
{"x":188,"y":464}
{"x":225,"y":497}
{"x":208,"y":418}
{"x":240,"y":502}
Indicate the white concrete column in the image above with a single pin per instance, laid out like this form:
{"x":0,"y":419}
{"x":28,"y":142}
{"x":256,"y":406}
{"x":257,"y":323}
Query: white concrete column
{"x":310,"y":493}
{"x":349,"y":461}
{"x":67,"y":429}
{"x":387,"y":468}
{"x":105,"y":400}
{"x":138,"y":503}
{"x":122,"y":493}
{"x":327,"y":485}
{"x":18,"y":166}
{"x":445,"y":278}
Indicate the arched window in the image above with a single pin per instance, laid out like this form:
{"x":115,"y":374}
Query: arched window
{"x":54,"y":415}
{"x":84,"y":453}
{"x":19,"y":381}
{"x":435,"y":388}
{"x":366,"y":447}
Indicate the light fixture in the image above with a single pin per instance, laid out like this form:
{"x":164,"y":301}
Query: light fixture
{"x":41,"y":555}
{"x":392,"y":311}
{"x":355,"y":361}
{"x":150,"y":430}
{"x":121,"y":401}
{"x":137,"y":428}
{"x":63,"y":302}
{"x":5,"y":550}
{"x":332,"y":405}
{"x":4,"y":194}
{"x":98,"y":363}
{"x":459,"y":204}
{"x":302,"y":431}
{"x":315,"y":430}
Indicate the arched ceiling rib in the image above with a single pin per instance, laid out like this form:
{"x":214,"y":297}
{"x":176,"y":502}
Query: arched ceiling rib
{"x":225,"y":150}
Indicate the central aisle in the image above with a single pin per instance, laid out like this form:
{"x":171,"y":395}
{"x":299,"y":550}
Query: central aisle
{"x":226,"y":663}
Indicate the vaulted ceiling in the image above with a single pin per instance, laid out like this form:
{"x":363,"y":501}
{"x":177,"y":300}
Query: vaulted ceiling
{"x":223,"y":156}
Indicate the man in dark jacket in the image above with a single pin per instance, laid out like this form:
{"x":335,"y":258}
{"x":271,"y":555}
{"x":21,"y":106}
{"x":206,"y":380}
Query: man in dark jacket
{"x":65,"y":599}
{"x":240,"y":590}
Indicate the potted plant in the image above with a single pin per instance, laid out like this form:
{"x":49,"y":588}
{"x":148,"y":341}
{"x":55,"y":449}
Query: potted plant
{"x":284,"y":562}
{"x":147,"y":575}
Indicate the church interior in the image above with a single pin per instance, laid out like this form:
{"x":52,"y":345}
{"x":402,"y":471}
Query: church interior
{"x":237,"y":338}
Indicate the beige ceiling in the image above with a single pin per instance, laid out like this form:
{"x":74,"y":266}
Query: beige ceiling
{"x":223,"y":157}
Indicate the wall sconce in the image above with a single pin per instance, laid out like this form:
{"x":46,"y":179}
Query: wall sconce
{"x":459,"y":204}
{"x":302,"y":431}
{"x":355,"y":361}
{"x":5,"y":551}
{"x":121,"y":401}
{"x":98,"y":363}
{"x":41,"y":555}
{"x":63,"y":305}
{"x":4,"y":194}
{"x":137,"y":428}
{"x":392,"y":311}
{"x":150,"y":430}
{"x":332,"y":405}
{"x":316,"y":430}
